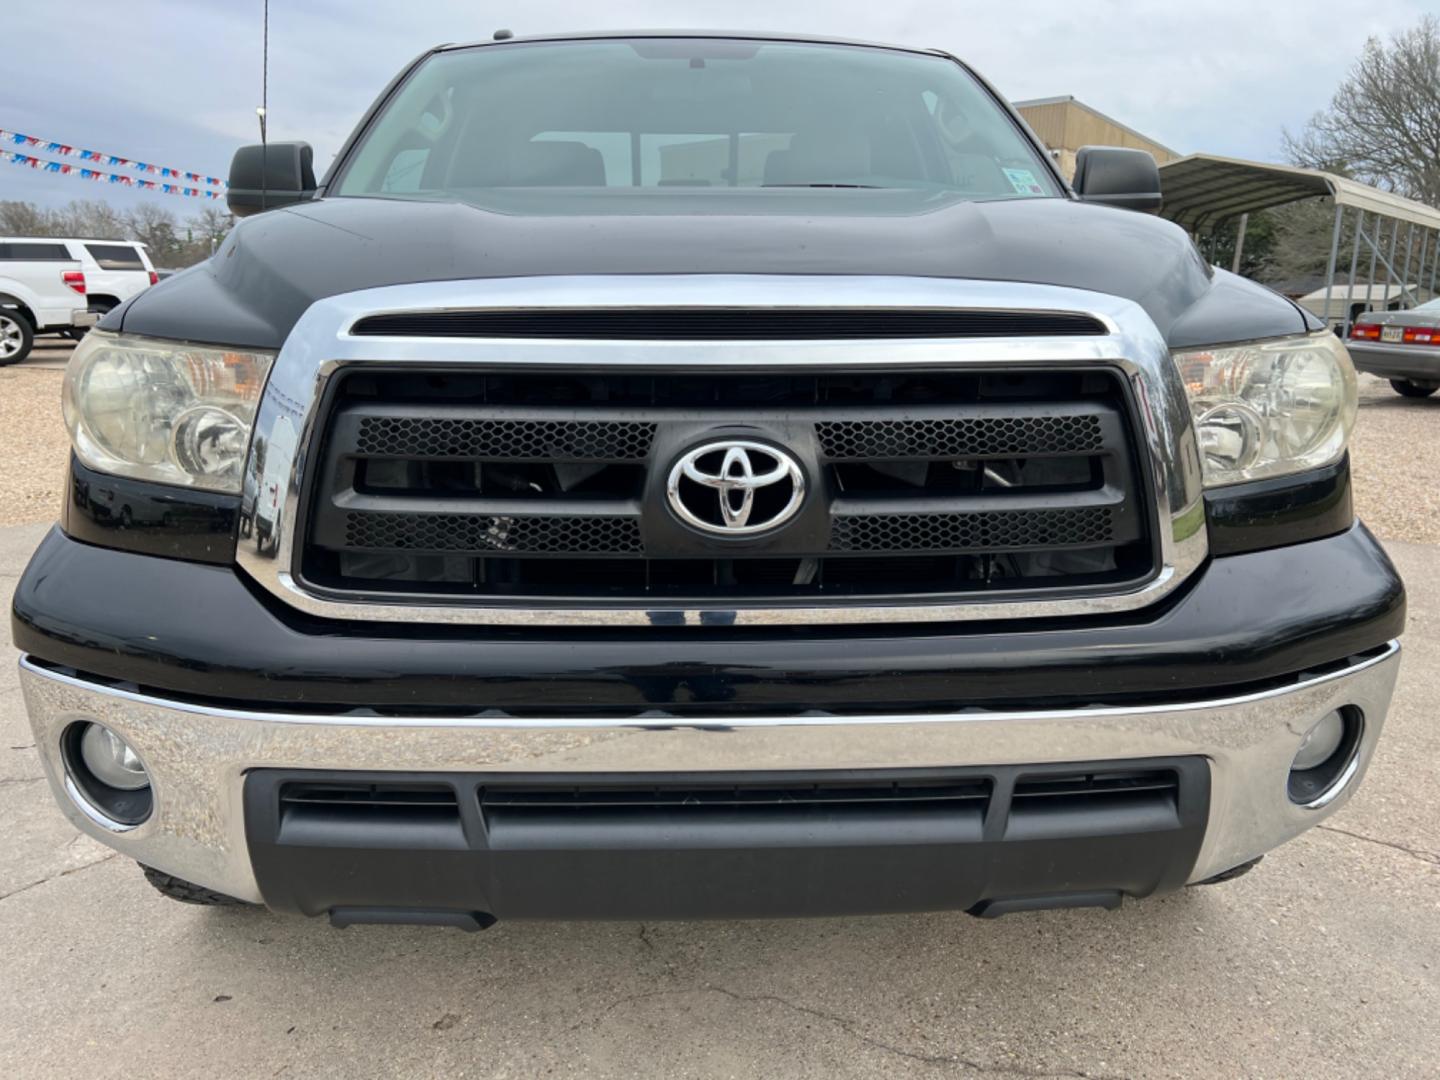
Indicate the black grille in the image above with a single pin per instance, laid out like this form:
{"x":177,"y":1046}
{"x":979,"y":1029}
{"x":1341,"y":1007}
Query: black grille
{"x":987,"y":437}
{"x":1041,"y":799}
{"x":710,"y":323}
{"x":492,"y":532}
{"x":453,"y":484}
{"x":1075,"y":789}
{"x":1003,"y":530}
{"x":356,"y":814}
{"x":503,"y":440}
{"x":363,"y":797}
{"x":784,"y":792}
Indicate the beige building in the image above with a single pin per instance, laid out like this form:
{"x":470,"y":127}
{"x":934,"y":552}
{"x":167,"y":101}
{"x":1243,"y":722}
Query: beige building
{"x":1065,"y":125}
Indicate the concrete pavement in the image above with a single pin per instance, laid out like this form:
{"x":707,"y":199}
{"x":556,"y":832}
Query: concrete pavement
{"x":1325,"y":960}
{"x":50,"y":352}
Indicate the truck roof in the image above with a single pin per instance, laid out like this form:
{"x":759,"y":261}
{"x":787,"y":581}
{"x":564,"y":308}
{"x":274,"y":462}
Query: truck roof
{"x":66,"y":239}
{"x":737,"y":35}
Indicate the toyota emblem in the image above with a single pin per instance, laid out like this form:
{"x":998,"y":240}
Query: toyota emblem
{"x":735,"y":488}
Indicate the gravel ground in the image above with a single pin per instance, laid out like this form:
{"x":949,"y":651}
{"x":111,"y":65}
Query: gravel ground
{"x":1394,"y":457}
{"x":1324,"y":962}
{"x":33,"y":442}
{"x":1394,"y":452}
{"x":1328,"y":954}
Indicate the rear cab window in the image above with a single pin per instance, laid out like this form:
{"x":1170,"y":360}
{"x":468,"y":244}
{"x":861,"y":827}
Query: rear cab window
{"x":26,"y":251}
{"x":116,"y":257}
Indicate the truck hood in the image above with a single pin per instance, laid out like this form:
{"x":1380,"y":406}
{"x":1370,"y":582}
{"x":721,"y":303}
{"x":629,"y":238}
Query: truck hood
{"x":275,"y":265}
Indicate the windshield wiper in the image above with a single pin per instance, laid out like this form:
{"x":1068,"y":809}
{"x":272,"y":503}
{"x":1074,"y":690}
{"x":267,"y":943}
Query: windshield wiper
{"x":875,"y":187}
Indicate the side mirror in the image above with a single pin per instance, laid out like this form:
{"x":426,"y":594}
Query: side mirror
{"x":1117,"y":176}
{"x":263,"y":177}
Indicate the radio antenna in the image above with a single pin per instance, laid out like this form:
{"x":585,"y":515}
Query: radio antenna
{"x":264,"y":105}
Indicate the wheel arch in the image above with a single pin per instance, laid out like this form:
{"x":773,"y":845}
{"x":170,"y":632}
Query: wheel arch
{"x":10,"y":300}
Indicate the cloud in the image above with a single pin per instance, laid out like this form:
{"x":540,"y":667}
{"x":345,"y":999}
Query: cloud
{"x":178,"y":82}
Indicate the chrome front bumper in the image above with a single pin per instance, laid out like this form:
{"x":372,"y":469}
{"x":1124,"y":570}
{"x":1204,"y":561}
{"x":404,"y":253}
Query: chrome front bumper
{"x":198,"y":755}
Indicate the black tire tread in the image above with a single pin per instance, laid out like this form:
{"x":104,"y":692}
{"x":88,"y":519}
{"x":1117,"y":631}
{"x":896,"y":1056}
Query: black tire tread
{"x":26,"y":331}
{"x":188,"y":892}
{"x":1233,"y":873}
{"x":1406,"y":388}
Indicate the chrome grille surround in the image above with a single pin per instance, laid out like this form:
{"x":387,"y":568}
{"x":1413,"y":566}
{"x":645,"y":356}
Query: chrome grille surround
{"x":323,"y":344}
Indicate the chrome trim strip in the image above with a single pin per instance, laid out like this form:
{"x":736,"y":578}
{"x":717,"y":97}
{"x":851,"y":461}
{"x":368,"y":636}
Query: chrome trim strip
{"x":667,"y":721}
{"x":1330,"y":794}
{"x":198,"y":755}
{"x":321,"y":345}
{"x":93,"y":812}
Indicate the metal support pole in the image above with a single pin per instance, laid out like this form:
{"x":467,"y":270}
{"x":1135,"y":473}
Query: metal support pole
{"x":1387,"y":262}
{"x":1350,"y":284}
{"x":1239,"y":242}
{"x":1330,"y":266}
{"x":1420,"y":264}
{"x":1435,"y":266}
{"x":1374,"y":246}
{"x":1390,"y":262}
{"x":1405,"y":274}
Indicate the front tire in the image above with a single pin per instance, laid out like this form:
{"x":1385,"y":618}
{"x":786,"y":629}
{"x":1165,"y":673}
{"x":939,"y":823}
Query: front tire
{"x":17,"y":337}
{"x":187,"y":892}
{"x":1406,"y":388}
{"x":1231,"y":874}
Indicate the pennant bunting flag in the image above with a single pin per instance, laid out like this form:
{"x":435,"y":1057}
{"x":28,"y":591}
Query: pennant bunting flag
{"x":15,"y":138}
{"x":99,"y":175}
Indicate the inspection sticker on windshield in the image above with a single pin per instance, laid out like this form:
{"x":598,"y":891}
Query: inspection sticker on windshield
{"x":1023,"y":181}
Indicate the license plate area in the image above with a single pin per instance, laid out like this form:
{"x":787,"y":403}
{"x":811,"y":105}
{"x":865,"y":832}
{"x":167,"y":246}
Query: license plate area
{"x":1392,"y":333}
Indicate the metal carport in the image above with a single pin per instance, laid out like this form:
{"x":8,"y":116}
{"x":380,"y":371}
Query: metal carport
{"x":1391,"y":233}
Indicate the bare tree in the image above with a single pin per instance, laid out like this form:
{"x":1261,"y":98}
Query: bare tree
{"x":154,"y":226}
{"x":171,"y":243}
{"x":92,"y":219}
{"x":1383,"y":124}
{"x":23,"y":219}
{"x":207,"y":228}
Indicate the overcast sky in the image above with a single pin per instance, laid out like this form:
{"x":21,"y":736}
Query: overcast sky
{"x":176,"y":82}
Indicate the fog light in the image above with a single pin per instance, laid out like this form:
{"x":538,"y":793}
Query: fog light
{"x":1327,"y":758}
{"x":1320,"y":742}
{"x":111,"y":760}
{"x":105,"y":776}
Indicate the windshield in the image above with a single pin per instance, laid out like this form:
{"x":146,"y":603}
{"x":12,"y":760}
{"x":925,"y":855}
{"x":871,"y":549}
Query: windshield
{"x":653,"y":113}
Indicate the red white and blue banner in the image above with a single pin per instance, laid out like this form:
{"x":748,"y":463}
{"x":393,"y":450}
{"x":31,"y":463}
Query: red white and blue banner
{"x":100,"y":176}
{"x":15,"y":138}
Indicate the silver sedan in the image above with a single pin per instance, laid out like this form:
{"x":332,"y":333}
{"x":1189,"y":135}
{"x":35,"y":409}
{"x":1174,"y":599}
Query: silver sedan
{"x":1402,"y":346}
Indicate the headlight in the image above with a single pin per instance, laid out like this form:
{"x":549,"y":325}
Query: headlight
{"x":1271,"y":407}
{"x":163,"y":410}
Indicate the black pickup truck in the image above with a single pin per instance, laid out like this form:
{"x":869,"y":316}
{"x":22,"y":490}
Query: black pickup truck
{"x":661,"y":475}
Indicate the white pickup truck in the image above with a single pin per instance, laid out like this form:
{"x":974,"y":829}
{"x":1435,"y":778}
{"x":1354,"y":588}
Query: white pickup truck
{"x":50,"y":285}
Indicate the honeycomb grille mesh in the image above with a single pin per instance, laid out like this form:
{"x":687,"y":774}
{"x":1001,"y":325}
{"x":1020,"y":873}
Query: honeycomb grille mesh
{"x":1000,"y":530}
{"x":539,"y":534}
{"x":532,"y":484}
{"x":961,"y":437}
{"x":505,"y":440}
